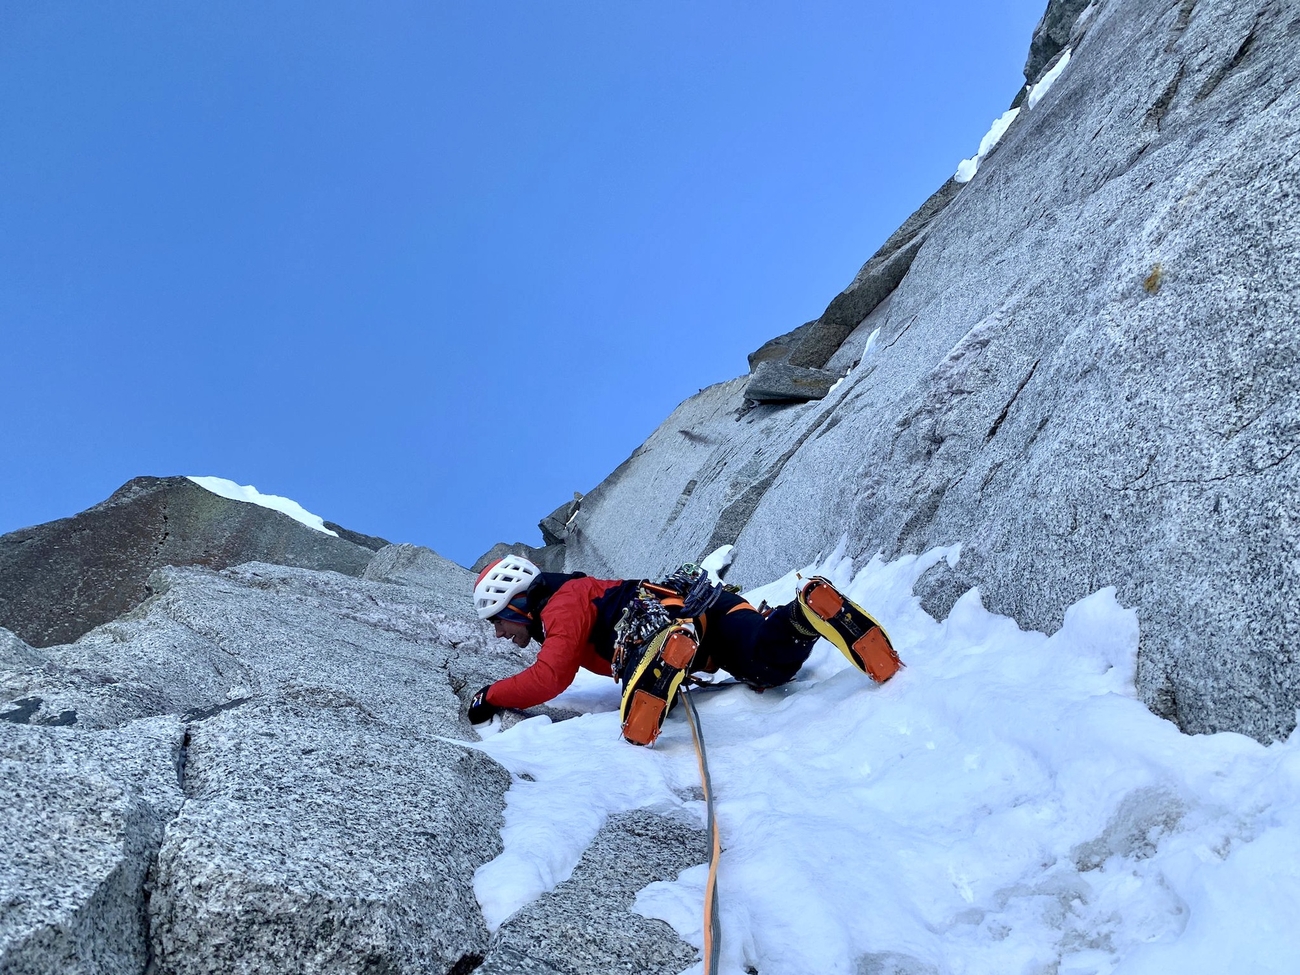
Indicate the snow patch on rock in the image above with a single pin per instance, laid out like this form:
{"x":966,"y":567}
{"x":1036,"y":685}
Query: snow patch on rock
{"x":251,"y":495}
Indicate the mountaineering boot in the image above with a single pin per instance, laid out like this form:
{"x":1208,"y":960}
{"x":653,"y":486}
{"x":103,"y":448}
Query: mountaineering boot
{"x":848,"y":626}
{"x":652,"y":679}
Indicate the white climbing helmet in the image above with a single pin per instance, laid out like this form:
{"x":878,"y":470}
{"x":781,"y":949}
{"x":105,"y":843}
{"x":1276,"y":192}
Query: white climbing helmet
{"x":501,"y":582}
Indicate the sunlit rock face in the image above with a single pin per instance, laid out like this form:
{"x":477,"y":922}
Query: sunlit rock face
{"x":253,"y":771}
{"x":1087,"y":376}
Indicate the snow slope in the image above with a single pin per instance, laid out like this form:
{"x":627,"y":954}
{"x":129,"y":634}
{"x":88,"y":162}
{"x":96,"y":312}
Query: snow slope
{"x":1004,"y":805}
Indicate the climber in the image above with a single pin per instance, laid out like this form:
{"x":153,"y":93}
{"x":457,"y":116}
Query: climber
{"x":650,"y":636}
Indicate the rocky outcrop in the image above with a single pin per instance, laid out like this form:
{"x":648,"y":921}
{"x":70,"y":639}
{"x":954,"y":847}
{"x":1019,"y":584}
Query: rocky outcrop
{"x":790,"y":368}
{"x":438,"y":583}
{"x":549,"y":556}
{"x":1053,"y":33}
{"x":259,"y":770}
{"x":1087,"y":376}
{"x":586,"y":924}
{"x":62,"y":579}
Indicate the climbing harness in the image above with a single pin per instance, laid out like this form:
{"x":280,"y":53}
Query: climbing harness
{"x":712,"y":924}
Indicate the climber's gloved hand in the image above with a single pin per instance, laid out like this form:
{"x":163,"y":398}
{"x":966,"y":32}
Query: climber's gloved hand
{"x":479,"y":708}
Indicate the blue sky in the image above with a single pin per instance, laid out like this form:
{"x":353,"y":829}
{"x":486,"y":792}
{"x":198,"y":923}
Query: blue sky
{"x":429,"y":268}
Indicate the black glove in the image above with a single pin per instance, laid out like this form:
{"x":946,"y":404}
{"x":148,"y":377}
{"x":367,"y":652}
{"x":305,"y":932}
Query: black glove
{"x":480,"y":710}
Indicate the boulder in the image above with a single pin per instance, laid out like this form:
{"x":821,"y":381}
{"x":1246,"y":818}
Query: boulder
{"x":62,"y":579}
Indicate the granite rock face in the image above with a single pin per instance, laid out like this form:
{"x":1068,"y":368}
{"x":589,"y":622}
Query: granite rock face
{"x":791,"y":367}
{"x":257,"y":777}
{"x":586,"y":925}
{"x":548,"y":558}
{"x":1087,"y":376}
{"x":81,"y":823}
{"x":780,"y":382}
{"x":1052,"y":34}
{"x":268,"y":769}
{"x":62,"y":579}
{"x":438,"y":583}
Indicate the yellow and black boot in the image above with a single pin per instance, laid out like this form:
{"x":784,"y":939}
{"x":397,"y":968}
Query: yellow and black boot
{"x":850,"y":627}
{"x":650,"y":687}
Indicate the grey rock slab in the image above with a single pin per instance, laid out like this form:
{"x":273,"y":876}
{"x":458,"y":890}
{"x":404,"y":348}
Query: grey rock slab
{"x":329,"y":822}
{"x":14,"y":653}
{"x":444,"y":585}
{"x":1087,"y":376}
{"x":586,"y":925}
{"x":317,"y":838}
{"x":62,"y":579}
{"x":80,"y":826}
{"x":779,"y":382}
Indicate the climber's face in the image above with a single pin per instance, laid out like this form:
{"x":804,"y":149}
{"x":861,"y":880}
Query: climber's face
{"x":516,"y":633}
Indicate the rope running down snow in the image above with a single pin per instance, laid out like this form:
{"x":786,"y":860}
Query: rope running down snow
{"x":712,"y":925}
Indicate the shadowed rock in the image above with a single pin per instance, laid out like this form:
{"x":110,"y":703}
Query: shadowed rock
{"x":63,"y":578}
{"x":548,"y":558}
{"x":780,"y":382}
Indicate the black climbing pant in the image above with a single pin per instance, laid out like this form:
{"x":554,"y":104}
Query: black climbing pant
{"x":763,"y":651}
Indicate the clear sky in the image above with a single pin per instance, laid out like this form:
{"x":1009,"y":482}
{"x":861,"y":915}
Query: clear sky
{"x":429,"y":268}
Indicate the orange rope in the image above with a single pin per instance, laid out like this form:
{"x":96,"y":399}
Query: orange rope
{"x":712,"y":925}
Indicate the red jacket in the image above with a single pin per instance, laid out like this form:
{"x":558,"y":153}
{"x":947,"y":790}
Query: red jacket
{"x":567,"y":621}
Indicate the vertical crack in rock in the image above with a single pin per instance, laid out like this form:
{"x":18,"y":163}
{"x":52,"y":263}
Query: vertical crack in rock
{"x":1180,"y":25}
{"x":997,"y":424}
{"x":736,"y":515}
{"x":685,"y":496}
{"x":1247,"y":44}
{"x":1157,"y":111}
{"x":182,"y":759}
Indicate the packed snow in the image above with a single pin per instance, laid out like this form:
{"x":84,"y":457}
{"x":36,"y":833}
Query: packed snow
{"x":251,"y":495}
{"x":1003,"y":805}
{"x":968,"y":167}
{"x":1036,"y":92}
